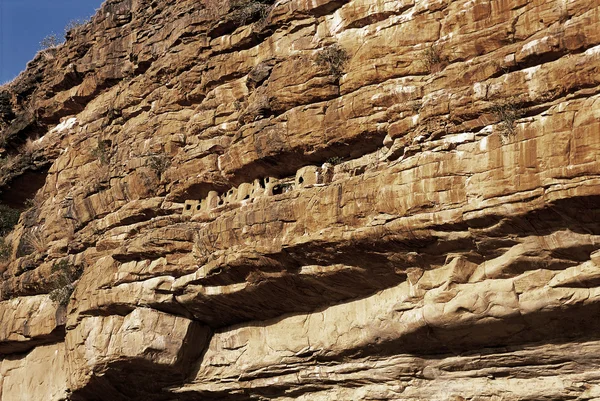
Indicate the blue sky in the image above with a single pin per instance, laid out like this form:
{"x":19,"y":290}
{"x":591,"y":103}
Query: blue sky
{"x":24,"y":23}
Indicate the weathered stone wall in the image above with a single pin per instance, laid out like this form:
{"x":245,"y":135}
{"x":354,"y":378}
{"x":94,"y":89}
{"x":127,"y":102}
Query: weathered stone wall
{"x":311,"y":200}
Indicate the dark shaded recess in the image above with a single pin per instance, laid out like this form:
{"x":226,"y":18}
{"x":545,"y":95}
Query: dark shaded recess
{"x":557,"y":327}
{"x":286,"y":163}
{"x":556,"y":53}
{"x":12,"y":347}
{"x":326,"y":8}
{"x":25,"y":87}
{"x":24,"y":249}
{"x":243,"y":12}
{"x":6,"y":112}
{"x":25,"y":125}
{"x":74,"y":104}
{"x":539,"y":59}
{"x":200,"y":190}
{"x":29,"y":281}
{"x":373,"y":265}
{"x":370,"y":19}
{"x":9,"y":217}
{"x":254,"y":39}
{"x":70,"y":78}
{"x":23,"y":187}
{"x":381,"y":260}
{"x":578,"y":214}
{"x":278,"y":189}
{"x":239,"y":395}
{"x":134,"y":379}
{"x":142,"y":67}
{"x":278,"y":289}
{"x":381,"y":256}
{"x":274,"y":296}
{"x":186,"y":38}
{"x":25,"y":264}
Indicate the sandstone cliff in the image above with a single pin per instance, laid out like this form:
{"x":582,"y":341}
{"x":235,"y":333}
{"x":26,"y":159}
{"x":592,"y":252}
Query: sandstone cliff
{"x":308,"y":200}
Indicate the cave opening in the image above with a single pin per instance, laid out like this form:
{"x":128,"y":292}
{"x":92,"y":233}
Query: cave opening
{"x":20,"y":190}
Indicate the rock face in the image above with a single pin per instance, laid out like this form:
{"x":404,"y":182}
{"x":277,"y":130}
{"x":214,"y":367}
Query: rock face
{"x":308,"y":200}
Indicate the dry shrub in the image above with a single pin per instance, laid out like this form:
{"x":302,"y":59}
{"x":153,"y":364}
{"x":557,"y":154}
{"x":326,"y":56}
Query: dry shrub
{"x":508,"y":112}
{"x":102,"y":151}
{"x":240,"y":12}
{"x":248,"y":11}
{"x":50,"y":42}
{"x":76,"y":23}
{"x":159,"y":163}
{"x":434,"y":59}
{"x":334,"y":58}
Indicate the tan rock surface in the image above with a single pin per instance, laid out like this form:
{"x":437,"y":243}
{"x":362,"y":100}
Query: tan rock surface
{"x":39,"y":375}
{"x":311,"y":200}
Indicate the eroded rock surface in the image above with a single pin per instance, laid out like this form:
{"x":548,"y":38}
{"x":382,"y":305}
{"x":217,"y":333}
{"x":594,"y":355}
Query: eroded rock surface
{"x":309,"y":200}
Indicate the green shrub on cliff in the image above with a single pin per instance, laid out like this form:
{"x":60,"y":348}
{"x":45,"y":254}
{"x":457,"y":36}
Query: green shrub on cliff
{"x":64,"y":274}
{"x":5,"y":249}
{"x":9,"y":217}
{"x":62,"y":295}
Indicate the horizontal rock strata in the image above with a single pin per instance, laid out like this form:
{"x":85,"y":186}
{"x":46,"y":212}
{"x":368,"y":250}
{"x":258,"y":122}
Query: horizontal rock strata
{"x":308,"y":200}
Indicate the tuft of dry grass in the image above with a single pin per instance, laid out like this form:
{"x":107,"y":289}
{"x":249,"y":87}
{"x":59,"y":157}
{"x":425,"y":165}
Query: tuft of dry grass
{"x":31,"y":146}
{"x":36,"y":242}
